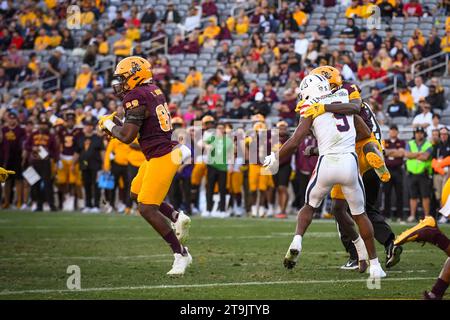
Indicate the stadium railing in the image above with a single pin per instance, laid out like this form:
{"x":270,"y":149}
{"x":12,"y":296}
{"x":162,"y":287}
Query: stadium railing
{"x":438,"y":56}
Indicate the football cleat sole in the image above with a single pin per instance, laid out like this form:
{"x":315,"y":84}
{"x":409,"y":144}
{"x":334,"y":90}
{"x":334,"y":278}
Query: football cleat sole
{"x":414,"y":233}
{"x":291,"y":258}
{"x":377,"y":163}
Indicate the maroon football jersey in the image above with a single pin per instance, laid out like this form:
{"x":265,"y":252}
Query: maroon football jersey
{"x":155,"y":133}
{"x":67,"y":139}
{"x":45,"y":139}
{"x":14,"y":139}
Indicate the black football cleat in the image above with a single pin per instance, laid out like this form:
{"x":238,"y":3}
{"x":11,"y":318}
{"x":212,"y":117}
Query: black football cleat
{"x":351,"y":264}
{"x":393,"y":253}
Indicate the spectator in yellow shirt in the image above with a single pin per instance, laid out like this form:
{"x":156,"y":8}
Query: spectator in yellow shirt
{"x":299,"y":16}
{"x":122,"y":47}
{"x":103,"y":46}
{"x":87,"y":17}
{"x":177,"y":87}
{"x":407,"y":98}
{"x":55,"y":38}
{"x":445,"y":42}
{"x":354,"y":10}
{"x":231,"y":23}
{"x":212,"y":30}
{"x":29,"y":17}
{"x":392,"y":2}
{"x":133,"y":33}
{"x":194,"y":78}
{"x":366,"y":9}
{"x":42,"y":41}
{"x":416,"y":39}
{"x":83,"y":78}
{"x":242,"y":25}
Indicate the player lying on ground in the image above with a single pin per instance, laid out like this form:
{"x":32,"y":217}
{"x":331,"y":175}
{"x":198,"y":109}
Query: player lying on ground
{"x":370,"y":159}
{"x":428,"y":231}
{"x":146,"y":115}
{"x":337,"y":164}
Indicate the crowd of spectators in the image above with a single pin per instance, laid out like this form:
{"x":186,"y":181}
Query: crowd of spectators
{"x":37,"y":42}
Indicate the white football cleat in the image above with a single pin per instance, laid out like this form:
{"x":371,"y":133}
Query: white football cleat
{"x":95,"y":210}
{"x":376,"y":271}
{"x":270,"y":211}
{"x":180,"y":264}
{"x":238,"y":211}
{"x":254,"y":211}
{"x":182,"y":226}
{"x":86,"y":210}
{"x":206,"y":214}
{"x":293,"y":253}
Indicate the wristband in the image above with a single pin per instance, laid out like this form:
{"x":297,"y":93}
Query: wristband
{"x":109,"y":125}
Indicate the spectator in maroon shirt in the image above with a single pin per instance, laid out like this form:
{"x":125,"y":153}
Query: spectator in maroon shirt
{"x":394,"y":150}
{"x":192,"y":45}
{"x":225,"y":33}
{"x":242,"y":93}
{"x":361,"y":40}
{"x":209,"y":8}
{"x":270,"y":95}
{"x":286,"y":109}
{"x":161,"y":69}
{"x":177,"y":45}
{"x":375,"y":94}
{"x":286,"y":42}
{"x":413,"y":9}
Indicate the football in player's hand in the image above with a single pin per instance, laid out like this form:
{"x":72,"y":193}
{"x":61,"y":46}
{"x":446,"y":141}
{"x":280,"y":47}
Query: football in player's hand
{"x":116,"y":121}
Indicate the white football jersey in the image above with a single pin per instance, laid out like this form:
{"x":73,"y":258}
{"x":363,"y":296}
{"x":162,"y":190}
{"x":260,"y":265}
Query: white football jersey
{"x":335,"y":133}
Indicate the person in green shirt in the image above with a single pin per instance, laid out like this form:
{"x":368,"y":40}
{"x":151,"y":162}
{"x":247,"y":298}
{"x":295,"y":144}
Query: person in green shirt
{"x":220,"y":150}
{"x":418,"y":166}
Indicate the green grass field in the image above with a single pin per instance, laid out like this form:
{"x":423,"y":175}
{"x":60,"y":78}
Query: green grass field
{"x":121,"y":257}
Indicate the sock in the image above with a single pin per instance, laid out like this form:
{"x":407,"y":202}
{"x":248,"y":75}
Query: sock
{"x":441,"y":241}
{"x":175,"y":245}
{"x":195,"y":195}
{"x":298,"y":237}
{"x":360,"y":248}
{"x":239,"y":199}
{"x":168,"y":211}
{"x":439,"y":287}
{"x":374,"y":262}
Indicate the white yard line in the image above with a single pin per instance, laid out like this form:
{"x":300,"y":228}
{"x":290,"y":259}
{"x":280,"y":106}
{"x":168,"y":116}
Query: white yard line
{"x":37,"y":256}
{"x":205,"y":285}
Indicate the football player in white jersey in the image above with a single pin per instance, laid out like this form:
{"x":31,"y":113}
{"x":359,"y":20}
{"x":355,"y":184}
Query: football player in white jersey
{"x":337,"y":164}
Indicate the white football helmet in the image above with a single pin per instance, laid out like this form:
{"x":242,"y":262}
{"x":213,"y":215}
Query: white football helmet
{"x":314,"y":86}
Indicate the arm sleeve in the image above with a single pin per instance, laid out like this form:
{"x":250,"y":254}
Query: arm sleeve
{"x":134,"y":110}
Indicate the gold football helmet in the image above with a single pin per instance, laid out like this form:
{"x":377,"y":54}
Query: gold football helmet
{"x":131,"y":72}
{"x":331,"y":73}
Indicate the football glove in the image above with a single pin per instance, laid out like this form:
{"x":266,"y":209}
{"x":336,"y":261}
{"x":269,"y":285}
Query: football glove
{"x":313,"y":110}
{"x":270,"y":160}
{"x":5,"y":173}
{"x":103,"y":119}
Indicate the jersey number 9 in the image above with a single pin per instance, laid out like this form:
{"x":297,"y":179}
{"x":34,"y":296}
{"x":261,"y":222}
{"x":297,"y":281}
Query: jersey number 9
{"x":341,"y":122}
